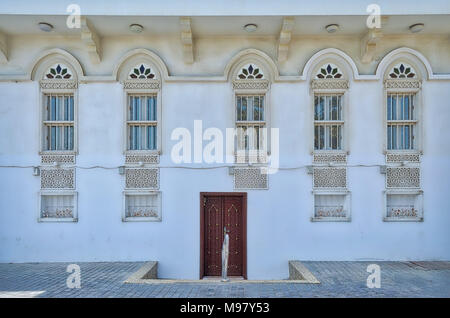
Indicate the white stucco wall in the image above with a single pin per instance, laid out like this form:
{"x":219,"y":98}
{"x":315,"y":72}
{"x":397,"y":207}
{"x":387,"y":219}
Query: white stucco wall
{"x":279,"y":226}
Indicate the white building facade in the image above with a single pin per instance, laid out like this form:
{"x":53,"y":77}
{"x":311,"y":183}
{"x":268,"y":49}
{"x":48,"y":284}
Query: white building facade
{"x":95,"y":163}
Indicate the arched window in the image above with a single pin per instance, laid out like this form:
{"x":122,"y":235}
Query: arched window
{"x":402,"y":126}
{"x":251,"y":73}
{"x":57,"y":73}
{"x":251,"y":109}
{"x":402,"y":108}
{"x":329,"y":87}
{"x":142,"y":110}
{"x":59,"y":109}
{"x":141,"y":73}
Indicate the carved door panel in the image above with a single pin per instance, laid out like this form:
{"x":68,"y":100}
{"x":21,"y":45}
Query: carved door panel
{"x":223,"y":211}
{"x":214,"y":236}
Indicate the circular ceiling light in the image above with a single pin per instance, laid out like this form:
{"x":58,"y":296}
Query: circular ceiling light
{"x":136,"y":28}
{"x":415,"y":28}
{"x":251,"y":27}
{"x":331,"y":28}
{"x":46,"y":27}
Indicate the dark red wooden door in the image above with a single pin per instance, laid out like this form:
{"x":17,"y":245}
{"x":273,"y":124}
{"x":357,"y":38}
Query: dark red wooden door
{"x":219,"y":211}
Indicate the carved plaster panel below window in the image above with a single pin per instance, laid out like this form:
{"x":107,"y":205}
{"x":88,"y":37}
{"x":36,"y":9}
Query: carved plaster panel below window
{"x":142,"y":178}
{"x":403,"y":177}
{"x":330,"y":177}
{"x":57,"y":178}
{"x":250,"y":178}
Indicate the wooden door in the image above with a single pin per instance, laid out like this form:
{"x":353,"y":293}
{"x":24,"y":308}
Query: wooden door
{"x":219,"y":211}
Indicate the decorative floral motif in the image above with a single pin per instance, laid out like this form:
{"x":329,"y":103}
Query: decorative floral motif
{"x":250,"y":72}
{"x":141,"y":72}
{"x":402,"y":212}
{"x":402,"y":71}
{"x":141,"y":212}
{"x":330,"y":211}
{"x":329,"y":71}
{"x":58,"y":213}
{"x":58,"y":72}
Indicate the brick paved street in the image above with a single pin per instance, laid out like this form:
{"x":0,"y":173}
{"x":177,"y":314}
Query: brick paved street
{"x":338,"y":279}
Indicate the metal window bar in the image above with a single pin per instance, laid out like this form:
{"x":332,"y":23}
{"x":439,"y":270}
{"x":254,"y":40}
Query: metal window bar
{"x":59,"y":121}
{"x":328,"y":123}
{"x":400,"y":121}
{"x":142,"y":122}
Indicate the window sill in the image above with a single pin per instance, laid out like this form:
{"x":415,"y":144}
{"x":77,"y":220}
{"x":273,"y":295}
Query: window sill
{"x":331,"y":219}
{"x":60,"y":220}
{"x":141,"y":219}
{"x":412,"y":219}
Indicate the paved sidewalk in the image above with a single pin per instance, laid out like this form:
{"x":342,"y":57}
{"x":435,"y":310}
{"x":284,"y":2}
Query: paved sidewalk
{"x":338,"y":279}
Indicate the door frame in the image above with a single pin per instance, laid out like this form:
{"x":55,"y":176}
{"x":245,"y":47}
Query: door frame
{"x":243,"y":195}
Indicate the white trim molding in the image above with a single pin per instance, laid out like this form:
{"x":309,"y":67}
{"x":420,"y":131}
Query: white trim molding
{"x":303,"y":74}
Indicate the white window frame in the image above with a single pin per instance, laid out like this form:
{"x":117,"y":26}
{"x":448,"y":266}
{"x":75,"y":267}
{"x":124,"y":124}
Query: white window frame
{"x":347,"y":206}
{"x":126,"y":218}
{"x":73,"y":193}
{"x":344,"y":101}
{"x":142,"y":92}
{"x":330,"y":122}
{"x":43,"y":95}
{"x":253,"y":92}
{"x":419,"y":205}
{"x":418,"y":118}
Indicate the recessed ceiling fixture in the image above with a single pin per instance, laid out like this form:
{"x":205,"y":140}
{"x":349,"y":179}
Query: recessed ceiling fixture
{"x":136,"y":28}
{"x":331,"y":28}
{"x":46,"y":27}
{"x":416,"y":27}
{"x":251,"y":27}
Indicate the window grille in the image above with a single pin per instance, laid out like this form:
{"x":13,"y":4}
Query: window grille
{"x":142,"y":122}
{"x":59,"y":122}
{"x":401,"y":122}
{"x":328,"y":122}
